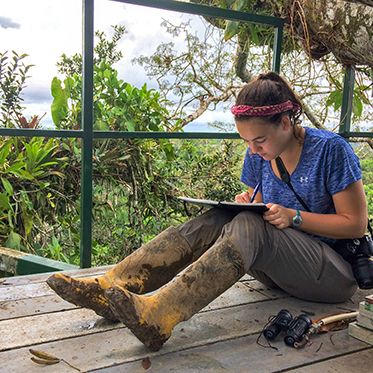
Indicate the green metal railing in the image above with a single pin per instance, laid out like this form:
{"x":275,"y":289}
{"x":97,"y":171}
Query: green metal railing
{"x":87,"y":134}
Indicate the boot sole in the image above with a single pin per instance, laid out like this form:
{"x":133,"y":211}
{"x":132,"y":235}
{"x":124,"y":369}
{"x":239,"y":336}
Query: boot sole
{"x":66,"y":287}
{"x":123,"y":307}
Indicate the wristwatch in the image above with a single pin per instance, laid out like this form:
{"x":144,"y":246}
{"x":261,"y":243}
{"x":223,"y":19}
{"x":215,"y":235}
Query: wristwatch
{"x":297,"y":220}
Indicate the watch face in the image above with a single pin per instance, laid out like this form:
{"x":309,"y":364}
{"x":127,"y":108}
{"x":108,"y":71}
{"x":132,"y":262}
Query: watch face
{"x":297,"y":220}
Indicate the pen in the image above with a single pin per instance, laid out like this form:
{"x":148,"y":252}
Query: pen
{"x":255,"y":192}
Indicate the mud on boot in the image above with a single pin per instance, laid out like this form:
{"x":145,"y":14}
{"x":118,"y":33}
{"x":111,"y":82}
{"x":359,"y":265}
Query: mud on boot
{"x":87,"y":292}
{"x":136,"y":312}
{"x":152,"y":318}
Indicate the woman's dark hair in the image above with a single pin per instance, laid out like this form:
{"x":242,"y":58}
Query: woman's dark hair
{"x":269,"y":89}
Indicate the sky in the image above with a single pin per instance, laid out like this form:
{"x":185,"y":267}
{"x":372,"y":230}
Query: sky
{"x":44,"y":29}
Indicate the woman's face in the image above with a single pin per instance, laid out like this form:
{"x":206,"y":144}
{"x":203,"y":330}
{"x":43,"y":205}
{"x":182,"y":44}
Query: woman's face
{"x":266,"y":139}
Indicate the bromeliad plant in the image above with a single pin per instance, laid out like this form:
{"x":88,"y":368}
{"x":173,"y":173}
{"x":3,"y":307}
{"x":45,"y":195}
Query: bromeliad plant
{"x":27,"y":168}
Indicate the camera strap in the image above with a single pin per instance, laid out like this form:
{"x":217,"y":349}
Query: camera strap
{"x":285,"y":177}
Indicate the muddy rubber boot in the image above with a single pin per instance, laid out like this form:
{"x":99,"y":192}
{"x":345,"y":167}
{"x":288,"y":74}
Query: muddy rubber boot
{"x":146,"y":269}
{"x":152,"y":318}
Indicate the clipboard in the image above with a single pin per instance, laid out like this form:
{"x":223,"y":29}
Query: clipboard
{"x":255,"y":207}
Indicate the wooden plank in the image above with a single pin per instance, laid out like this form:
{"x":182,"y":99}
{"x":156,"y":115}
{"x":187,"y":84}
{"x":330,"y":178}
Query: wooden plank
{"x":26,"y":291}
{"x":237,"y":294}
{"x":246,"y":277}
{"x":271,"y":293}
{"x":34,"y":288}
{"x":89,"y":272}
{"x":33,"y":306}
{"x":120,"y":353}
{"x":55,"y":326}
{"x":94,"y":271}
{"x":276,"y":293}
{"x":105,"y":348}
{"x":244,"y":355}
{"x":234,"y":296}
{"x":360,"y":362}
{"x":50,"y":327}
{"x":30,"y":279}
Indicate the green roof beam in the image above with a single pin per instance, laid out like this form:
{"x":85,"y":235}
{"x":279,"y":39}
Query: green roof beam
{"x":204,"y":10}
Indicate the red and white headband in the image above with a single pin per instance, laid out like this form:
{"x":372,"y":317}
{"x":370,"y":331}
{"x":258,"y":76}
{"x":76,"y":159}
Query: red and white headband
{"x":264,"y":111}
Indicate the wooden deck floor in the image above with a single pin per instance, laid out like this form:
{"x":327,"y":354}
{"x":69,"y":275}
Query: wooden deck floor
{"x":220,"y":338}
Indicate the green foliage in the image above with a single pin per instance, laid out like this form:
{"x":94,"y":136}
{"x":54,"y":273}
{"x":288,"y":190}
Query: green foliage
{"x":54,"y":250}
{"x":13,"y":74}
{"x":367,"y":168}
{"x":121,"y":106}
{"x":59,"y":108}
{"x":129,"y":211}
{"x":128,"y":189}
{"x":210,"y":169}
{"x":117,"y":104}
{"x":359,"y":99}
{"x":28,"y":167}
{"x":335,"y":99}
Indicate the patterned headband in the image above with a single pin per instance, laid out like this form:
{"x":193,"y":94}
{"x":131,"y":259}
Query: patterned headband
{"x":264,"y":111}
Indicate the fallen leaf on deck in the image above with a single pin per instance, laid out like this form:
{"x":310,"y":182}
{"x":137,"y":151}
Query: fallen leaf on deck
{"x":43,"y":355}
{"x":146,"y":363}
{"x":44,"y":362}
{"x":44,"y":358}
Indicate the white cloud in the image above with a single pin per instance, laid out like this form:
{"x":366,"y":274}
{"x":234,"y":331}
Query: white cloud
{"x":46,"y":29}
{"x":8,"y":23}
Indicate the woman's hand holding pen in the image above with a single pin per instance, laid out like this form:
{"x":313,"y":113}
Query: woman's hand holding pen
{"x":242,"y":198}
{"x":278,"y":215}
{"x":247,"y":197}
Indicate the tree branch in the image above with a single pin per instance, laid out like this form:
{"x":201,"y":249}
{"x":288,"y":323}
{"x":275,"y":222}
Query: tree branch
{"x":205,"y":103}
{"x":362,"y":139}
{"x":242,"y":55}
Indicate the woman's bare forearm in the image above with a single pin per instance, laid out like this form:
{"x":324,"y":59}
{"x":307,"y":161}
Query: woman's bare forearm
{"x":332,"y":225}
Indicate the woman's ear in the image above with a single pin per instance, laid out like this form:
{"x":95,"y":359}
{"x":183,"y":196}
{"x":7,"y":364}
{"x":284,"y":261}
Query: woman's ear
{"x":286,"y":122}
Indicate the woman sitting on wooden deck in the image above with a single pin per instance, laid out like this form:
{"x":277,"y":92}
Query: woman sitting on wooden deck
{"x":286,"y":247}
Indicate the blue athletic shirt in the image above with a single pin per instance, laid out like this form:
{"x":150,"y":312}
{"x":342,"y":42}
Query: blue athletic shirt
{"x":327,"y":166}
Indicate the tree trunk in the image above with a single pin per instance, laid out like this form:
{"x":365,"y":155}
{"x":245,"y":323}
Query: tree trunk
{"x":366,"y":2}
{"x":343,"y":28}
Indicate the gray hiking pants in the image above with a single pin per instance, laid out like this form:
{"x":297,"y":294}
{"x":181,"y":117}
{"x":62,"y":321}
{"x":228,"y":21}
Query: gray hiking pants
{"x":304,"y":267}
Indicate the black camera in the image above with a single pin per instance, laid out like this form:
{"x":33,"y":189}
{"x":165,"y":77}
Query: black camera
{"x":359,"y":253}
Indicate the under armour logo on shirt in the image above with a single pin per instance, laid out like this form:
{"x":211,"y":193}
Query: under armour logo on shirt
{"x":303,"y":179}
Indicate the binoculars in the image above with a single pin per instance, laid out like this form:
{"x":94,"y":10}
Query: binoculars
{"x":295,"y":328}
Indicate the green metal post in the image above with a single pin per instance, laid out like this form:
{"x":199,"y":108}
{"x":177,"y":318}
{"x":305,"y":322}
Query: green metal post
{"x":277,"y":45}
{"x":87,"y":139}
{"x":348,"y":94}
